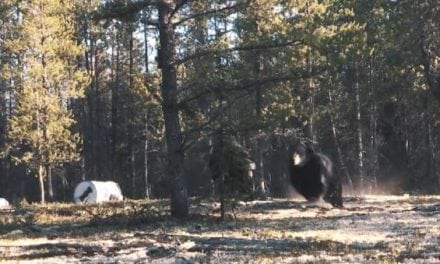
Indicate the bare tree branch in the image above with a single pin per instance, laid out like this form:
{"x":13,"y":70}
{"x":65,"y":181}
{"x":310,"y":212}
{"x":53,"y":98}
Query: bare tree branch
{"x":249,"y":84}
{"x":214,"y":117}
{"x":261,"y":46}
{"x":178,"y":6}
{"x":123,"y":11}
{"x":210,"y":12}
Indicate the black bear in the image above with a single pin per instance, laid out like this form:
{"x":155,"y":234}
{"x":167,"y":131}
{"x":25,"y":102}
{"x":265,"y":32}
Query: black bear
{"x":312,"y":175}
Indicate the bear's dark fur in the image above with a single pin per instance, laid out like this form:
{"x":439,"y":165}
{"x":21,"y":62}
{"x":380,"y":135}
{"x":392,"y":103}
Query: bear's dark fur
{"x":313,"y":177}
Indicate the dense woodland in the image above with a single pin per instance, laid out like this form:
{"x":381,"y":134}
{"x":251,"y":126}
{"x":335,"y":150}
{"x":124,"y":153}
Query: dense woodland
{"x":146,"y":92}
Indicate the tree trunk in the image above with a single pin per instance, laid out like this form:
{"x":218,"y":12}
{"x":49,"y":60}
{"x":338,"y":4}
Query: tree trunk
{"x":359,"y":129}
{"x":259,"y":162}
{"x":222,"y":196}
{"x":83,"y":168}
{"x":336,"y":141}
{"x":41,"y":181}
{"x":131,"y":132}
{"x":219,"y":168}
{"x":310,"y":132}
{"x":89,"y":165}
{"x":173,"y":133}
{"x":373,"y":127}
{"x":100,"y":160}
{"x":114,"y":112}
{"x":433,"y":174}
{"x":133,"y":170}
{"x":146,"y":58}
{"x":147,"y":132}
{"x":49,"y":182}
{"x":3,"y":131}
{"x":259,"y":148}
{"x":147,"y":183}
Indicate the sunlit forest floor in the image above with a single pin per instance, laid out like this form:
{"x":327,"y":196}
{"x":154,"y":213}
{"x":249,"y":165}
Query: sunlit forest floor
{"x":370,"y":229}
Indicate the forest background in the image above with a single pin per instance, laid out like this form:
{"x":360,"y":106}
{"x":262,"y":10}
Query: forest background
{"x":137,"y":91}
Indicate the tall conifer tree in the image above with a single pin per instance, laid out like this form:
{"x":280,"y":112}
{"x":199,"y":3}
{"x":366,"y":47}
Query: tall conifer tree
{"x":40,"y":127}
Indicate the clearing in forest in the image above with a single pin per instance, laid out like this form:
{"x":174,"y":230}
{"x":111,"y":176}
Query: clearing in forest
{"x":371,"y":229}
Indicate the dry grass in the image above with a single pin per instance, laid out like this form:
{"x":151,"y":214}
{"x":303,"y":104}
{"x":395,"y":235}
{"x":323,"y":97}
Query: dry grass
{"x":371,"y":229}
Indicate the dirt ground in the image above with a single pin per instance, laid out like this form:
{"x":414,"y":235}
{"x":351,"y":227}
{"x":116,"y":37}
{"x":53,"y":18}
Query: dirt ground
{"x":371,"y":229}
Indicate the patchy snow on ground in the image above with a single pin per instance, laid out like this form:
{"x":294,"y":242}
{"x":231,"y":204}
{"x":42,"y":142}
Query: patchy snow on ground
{"x":369,"y":229}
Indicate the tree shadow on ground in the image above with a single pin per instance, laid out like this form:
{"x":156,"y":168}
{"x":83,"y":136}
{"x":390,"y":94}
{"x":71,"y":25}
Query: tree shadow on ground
{"x":54,"y":249}
{"x":252,"y":232}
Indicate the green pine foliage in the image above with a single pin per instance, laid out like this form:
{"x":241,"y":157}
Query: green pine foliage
{"x":40,"y":132}
{"x":230,"y":162}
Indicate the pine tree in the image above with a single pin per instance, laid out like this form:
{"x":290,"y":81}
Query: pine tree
{"x":40,"y":132}
{"x":5,"y":22}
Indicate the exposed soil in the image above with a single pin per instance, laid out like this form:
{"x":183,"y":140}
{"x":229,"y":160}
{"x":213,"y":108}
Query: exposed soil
{"x":372,"y":229}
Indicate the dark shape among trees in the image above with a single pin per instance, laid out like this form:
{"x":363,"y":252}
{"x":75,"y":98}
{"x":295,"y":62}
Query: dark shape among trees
{"x":312,"y":175}
{"x":229,"y":164}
